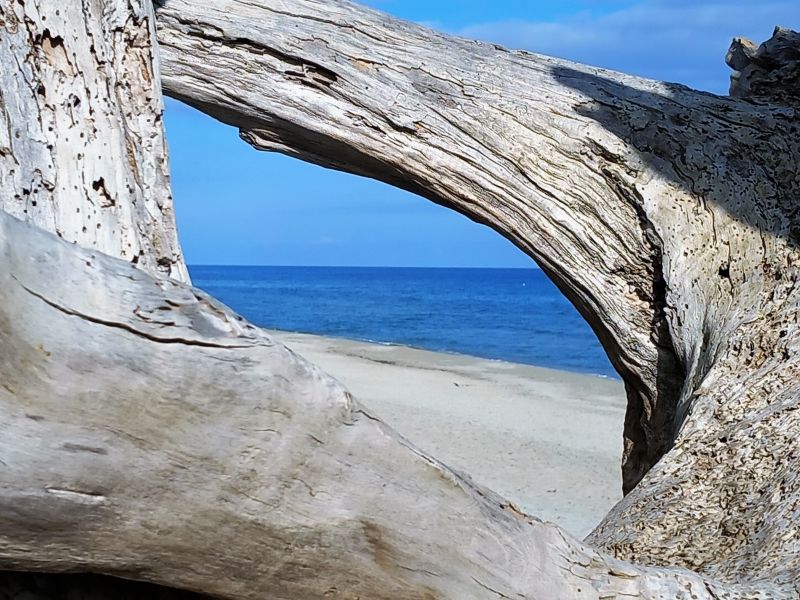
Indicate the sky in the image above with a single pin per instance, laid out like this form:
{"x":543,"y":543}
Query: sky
{"x":238,"y":206}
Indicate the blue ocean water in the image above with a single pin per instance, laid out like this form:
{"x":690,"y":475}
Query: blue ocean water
{"x":509,"y":314}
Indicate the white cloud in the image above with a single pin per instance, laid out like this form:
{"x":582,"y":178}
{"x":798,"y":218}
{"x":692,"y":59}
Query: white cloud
{"x":325,"y":240}
{"x":681,"y":41}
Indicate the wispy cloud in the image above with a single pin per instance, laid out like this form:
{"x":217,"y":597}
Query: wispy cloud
{"x":674,"y":40}
{"x":325,"y":240}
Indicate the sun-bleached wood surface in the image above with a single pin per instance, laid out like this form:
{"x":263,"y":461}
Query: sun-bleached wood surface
{"x":82,"y":150}
{"x":178,"y":444}
{"x":150,"y":434}
{"x":668,"y":216}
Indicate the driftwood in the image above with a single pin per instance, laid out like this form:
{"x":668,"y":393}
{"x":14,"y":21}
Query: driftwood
{"x":82,"y":149}
{"x":769,"y":72}
{"x":668,"y":216}
{"x":151,"y":434}
{"x":178,"y":444}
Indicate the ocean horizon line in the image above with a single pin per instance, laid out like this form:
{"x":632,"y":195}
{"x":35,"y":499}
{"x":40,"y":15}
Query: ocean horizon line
{"x":203,"y":265}
{"x":510,"y":314}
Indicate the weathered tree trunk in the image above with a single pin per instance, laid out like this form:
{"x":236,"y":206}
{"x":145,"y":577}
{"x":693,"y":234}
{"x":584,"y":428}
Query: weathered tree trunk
{"x":177,"y":444}
{"x":82,"y":151}
{"x":668,"y":216}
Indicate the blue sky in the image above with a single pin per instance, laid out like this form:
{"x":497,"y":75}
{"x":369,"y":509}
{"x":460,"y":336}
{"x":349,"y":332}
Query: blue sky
{"x":235,"y":205}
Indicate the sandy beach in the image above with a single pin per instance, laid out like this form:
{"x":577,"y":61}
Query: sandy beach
{"x":550,"y":441}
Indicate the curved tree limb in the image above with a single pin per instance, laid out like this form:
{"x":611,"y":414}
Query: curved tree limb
{"x":668,"y":216}
{"x":492,"y":134}
{"x":179,"y":445}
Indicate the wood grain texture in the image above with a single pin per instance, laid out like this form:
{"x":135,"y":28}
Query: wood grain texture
{"x":149,"y":433}
{"x":769,"y":72}
{"x":495,"y":135}
{"x":152,"y":434}
{"x":668,"y":216}
{"x":82,"y":150}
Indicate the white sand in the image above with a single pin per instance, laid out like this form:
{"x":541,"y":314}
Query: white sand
{"x":549,"y":441}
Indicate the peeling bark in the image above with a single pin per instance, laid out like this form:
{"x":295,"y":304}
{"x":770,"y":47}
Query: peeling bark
{"x":82,"y":150}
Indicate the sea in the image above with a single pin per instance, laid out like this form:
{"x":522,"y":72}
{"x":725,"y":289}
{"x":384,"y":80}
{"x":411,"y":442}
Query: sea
{"x":515,"y":315}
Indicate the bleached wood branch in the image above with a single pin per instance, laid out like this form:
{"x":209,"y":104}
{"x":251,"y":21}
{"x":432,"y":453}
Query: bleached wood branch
{"x":149,"y":433}
{"x":152,"y":434}
{"x":668,"y":216}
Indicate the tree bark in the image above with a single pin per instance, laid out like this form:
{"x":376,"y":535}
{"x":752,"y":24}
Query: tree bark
{"x":179,"y":445}
{"x":82,"y":150}
{"x":464,"y":124}
{"x":769,"y":72}
{"x":668,"y":216}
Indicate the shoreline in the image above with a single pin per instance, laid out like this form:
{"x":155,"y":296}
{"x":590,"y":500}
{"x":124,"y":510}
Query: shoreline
{"x":550,"y":441}
{"x":337,"y":338}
